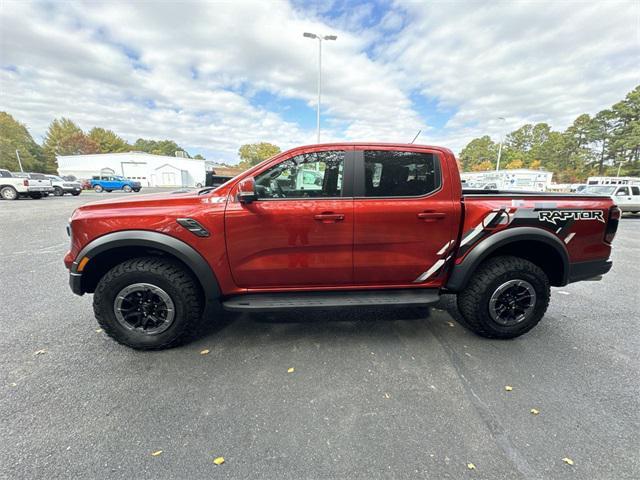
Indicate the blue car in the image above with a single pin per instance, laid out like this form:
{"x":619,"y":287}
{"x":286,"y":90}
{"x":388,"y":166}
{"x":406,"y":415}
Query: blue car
{"x":108,"y":183}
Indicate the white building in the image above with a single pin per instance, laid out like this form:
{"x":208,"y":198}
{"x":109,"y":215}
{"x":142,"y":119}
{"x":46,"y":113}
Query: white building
{"x":149,"y":170}
{"x":515,"y":179}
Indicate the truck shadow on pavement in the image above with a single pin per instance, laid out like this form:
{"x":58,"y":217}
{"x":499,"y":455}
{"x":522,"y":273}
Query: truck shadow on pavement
{"x":328,"y":324}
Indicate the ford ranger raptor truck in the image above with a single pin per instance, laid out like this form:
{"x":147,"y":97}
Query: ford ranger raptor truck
{"x":334,"y":226}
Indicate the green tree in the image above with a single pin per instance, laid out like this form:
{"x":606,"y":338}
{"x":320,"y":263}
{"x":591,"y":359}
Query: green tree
{"x":107,"y":141}
{"x":253,"y":153}
{"x":199,"y":157}
{"x":478,"y":151}
{"x":157,"y":147}
{"x":64,"y":137}
{"x":15,"y":136}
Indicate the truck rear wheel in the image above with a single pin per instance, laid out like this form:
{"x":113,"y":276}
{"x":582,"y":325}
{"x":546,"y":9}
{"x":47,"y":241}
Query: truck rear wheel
{"x":8,"y":193}
{"x":148,"y":303}
{"x":505,"y":298}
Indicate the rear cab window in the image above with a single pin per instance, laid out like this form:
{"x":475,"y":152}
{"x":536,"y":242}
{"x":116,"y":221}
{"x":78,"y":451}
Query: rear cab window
{"x":394,"y":173}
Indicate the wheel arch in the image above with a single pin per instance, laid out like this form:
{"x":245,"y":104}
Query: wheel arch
{"x":108,"y":250}
{"x":534,"y":244}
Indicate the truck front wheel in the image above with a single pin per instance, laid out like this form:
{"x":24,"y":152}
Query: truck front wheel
{"x":505,"y":298}
{"x":148,"y":303}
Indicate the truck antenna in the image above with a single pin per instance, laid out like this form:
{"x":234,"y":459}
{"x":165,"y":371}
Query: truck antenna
{"x":417,"y":134}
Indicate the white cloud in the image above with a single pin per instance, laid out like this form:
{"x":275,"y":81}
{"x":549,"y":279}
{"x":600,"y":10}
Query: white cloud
{"x":190,"y":71}
{"x":525,"y":61}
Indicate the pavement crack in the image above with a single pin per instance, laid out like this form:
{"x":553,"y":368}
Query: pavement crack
{"x":496,"y":428}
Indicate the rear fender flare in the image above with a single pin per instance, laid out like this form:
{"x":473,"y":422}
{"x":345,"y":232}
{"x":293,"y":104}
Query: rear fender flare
{"x":157,"y":241}
{"x":461,"y":273}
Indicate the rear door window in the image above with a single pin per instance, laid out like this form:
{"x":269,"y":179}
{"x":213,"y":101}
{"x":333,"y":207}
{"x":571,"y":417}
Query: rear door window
{"x":391,"y":173}
{"x":635,"y":190}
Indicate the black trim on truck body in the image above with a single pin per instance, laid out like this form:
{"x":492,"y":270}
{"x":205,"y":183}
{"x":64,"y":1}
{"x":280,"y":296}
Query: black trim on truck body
{"x":155,"y":240}
{"x":588,"y":270}
{"x":461,"y":273}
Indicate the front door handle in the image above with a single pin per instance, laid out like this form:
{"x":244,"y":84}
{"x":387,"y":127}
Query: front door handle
{"x":329,"y":217}
{"x":431,"y":216}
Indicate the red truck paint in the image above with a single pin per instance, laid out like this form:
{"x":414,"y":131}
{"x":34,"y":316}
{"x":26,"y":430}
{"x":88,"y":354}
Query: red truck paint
{"x":350,"y":244}
{"x":275,"y":245}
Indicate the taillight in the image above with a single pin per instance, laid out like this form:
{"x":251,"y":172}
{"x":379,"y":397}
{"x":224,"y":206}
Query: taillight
{"x":25,"y":182}
{"x":612,"y":224}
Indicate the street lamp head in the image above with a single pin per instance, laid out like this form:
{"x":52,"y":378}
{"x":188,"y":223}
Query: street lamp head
{"x":309,"y":35}
{"x":330,"y":37}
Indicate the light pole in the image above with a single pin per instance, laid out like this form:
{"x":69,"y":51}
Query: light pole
{"x":500,"y":146}
{"x":320,"y":38}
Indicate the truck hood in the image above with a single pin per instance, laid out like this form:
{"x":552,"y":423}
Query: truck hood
{"x":178,"y":197}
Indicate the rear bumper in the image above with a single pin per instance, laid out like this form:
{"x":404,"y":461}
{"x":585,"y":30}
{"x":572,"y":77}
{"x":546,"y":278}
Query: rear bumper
{"x":34,"y":189}
{"x":588,"y":270}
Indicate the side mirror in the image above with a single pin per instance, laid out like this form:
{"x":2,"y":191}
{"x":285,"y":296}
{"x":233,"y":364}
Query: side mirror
{"x":247,"y":191}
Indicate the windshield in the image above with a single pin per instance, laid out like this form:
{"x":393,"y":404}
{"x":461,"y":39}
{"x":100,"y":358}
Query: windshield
{"x":55,"y":177}
{"x":600,"y":189}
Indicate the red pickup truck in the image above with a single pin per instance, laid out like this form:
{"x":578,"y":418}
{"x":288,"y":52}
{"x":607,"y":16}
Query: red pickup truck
{"x":334,"y":226}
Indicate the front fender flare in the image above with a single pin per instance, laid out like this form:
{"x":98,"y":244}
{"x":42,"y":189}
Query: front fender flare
{"x":461,"y":272}
{"x":158,"y":241}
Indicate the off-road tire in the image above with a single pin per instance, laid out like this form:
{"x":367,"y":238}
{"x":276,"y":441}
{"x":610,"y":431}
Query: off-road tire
{"x":98,"y":189}
{"x":9,"y":193}
{"x":75,"y":194}
{"x":473,"y":301}
{"x":127,"y":188}
{"x":178,"y":283}
{"x":58,"y":192}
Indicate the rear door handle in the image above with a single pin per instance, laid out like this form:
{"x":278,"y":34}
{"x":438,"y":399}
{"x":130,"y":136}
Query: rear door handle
{"x":329,"y":217}
{"x":431,"y":216}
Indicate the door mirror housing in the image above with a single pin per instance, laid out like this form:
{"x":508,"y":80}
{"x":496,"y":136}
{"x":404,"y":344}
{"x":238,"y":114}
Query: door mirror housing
{"x":247,"y":190}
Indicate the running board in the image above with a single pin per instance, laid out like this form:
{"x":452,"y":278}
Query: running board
{"x":257,"y":302}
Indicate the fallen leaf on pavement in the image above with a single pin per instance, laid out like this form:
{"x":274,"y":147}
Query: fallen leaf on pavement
{"x":386,"y":395}
{"x":40,"y":352}
{"x":156,"y":453}
{"x":204,"y":352}
{"x":99,"y":330}
{"x":567,"y":460}
{"x":471,"y":466}
{"x":291,"y":370}
{"x":451,"y":324}
{"x":218,"y":460}
{"x":508,"y":388}
{"x":534,"y":411}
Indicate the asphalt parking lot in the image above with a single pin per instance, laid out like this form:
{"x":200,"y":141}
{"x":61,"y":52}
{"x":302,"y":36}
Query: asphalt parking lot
{"x":373,"y":394}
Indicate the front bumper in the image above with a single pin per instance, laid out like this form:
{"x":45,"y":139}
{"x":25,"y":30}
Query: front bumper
{"x":588,"y":270}
{"x":75,"y":282}
{"x":71,"y":189}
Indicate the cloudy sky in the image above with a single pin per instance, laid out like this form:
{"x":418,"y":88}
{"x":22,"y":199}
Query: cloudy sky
{"x":215,"y":75}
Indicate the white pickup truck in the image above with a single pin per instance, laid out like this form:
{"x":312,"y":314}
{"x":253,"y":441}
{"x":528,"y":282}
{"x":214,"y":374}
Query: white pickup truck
{"x":626,"y":197}
{"x":34,"y":185}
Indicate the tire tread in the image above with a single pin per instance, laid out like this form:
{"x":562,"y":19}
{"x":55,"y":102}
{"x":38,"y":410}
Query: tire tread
{"x":476,"y":290}
{"x":172,"y":273}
